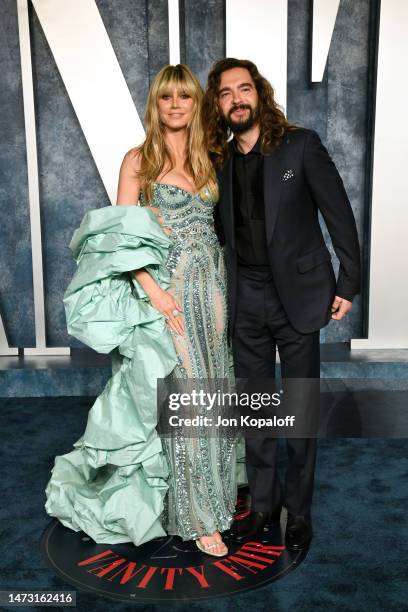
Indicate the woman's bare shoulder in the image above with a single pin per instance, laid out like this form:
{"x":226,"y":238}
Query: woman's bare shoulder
{"x":132,"y":159}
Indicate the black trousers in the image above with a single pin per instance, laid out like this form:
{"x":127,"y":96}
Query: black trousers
{"x":261,"y":325}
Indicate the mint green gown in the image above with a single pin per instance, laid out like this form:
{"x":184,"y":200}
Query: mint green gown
{"x":122,"y":482}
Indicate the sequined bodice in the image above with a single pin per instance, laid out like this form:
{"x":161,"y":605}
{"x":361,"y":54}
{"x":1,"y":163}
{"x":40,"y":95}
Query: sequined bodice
{"x":190,"y":219}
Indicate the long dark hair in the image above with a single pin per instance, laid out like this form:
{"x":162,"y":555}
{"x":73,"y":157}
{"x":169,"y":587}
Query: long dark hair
{"x":272,"y":121}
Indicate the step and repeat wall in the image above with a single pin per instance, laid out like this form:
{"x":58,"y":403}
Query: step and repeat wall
{"x":74,"y":81}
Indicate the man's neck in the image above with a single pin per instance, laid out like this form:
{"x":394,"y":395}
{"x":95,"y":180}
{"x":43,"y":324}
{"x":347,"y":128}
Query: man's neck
{"x":246,"y":141}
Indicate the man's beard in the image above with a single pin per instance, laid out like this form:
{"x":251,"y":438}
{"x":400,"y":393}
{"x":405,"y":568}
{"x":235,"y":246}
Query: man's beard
{"x":239,"y":127}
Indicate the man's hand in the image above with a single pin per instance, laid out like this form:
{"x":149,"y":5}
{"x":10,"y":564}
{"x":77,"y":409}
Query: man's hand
{"x":340,"y":308}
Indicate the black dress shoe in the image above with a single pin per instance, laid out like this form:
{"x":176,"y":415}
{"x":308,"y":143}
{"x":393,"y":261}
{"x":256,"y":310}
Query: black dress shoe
{"x":254,"y":523}
{"x":298,"y":533}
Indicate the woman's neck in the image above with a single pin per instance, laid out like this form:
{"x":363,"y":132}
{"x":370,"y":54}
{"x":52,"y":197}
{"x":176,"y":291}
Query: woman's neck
{"x":176,"y":142}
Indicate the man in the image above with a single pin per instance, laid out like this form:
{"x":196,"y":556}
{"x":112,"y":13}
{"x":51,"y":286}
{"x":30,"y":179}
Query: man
{"x":273,"y":179}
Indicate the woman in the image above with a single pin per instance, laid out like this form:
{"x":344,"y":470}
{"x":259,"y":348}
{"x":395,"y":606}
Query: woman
{"x":171,"y":175}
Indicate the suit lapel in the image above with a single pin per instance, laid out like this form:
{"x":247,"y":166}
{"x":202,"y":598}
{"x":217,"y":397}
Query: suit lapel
{"x":273,"y":173}
{"x":273,"y":182}
{"x":226,"y":201}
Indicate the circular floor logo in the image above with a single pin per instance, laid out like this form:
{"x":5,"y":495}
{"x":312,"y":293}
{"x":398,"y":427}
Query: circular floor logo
{"x":168,"y":568}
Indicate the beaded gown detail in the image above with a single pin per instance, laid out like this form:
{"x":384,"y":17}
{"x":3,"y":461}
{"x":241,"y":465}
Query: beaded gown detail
{"x":203,"y":480}
{"x":122,"y":482}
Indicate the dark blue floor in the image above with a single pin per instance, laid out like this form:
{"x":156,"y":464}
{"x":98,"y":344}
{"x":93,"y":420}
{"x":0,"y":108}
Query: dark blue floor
{"x":358,"y":559}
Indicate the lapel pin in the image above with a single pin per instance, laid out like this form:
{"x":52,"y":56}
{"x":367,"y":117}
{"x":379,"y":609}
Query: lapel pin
{"x":288,"y":174}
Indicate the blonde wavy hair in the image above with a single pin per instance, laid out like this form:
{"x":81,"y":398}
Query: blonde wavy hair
{"x":155,"y":155}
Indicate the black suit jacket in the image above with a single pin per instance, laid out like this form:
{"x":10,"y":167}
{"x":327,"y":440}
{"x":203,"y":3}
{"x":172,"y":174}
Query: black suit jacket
{"x":300,"y":178}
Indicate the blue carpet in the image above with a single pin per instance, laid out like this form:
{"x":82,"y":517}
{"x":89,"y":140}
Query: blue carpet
{"x":357,"y":561}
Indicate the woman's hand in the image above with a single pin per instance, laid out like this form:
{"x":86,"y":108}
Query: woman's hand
{"x":163,"y":301}
{"x":156,"y":211}
{"x":166,"y":304}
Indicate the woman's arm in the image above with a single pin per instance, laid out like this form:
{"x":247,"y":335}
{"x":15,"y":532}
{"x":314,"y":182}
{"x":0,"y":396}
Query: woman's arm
{"x":128,"y":193}
{"x":129,"y":182}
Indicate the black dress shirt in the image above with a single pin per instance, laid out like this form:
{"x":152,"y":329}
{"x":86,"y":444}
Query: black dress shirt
{"x":249,"y":207}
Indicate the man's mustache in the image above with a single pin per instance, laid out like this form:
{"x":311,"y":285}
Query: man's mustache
{"x":239,"y":107}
